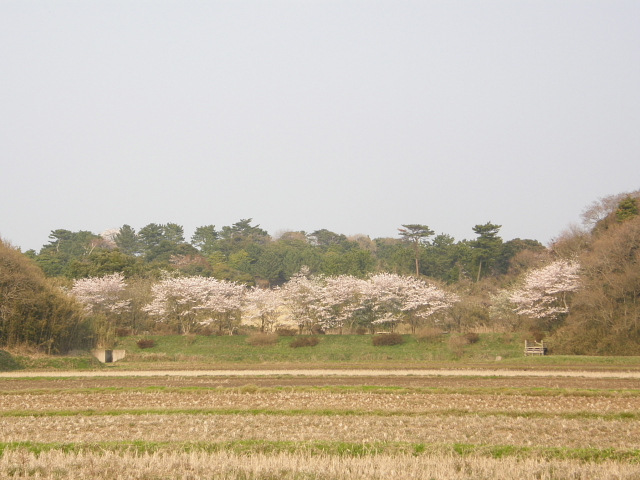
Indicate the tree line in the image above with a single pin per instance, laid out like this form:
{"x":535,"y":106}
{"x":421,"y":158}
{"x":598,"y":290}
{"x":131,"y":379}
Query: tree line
{"x":245,"y":253}
{"x":581,"y":291}
{"x":306,"y":303}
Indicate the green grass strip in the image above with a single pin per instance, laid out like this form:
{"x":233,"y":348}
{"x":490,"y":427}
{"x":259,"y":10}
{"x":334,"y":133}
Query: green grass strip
{"x":345,"y":449}
{"x":618,"y":416}
{"x":337,"y":389}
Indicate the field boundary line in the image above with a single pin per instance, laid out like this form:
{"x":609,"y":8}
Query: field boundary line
{"x":323,"y":373}
{"x":625,"y":416}
{"x":335,"y":448}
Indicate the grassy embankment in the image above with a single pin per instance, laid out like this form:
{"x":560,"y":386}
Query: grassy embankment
{"x":176,"y":352}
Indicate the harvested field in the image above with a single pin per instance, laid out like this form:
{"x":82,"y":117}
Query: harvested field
{"x":434,"y":429}
{"x":303,"y":427}
{"x":296,"y":466}
{"x":284,"y":380}
{"x":356,"y":402}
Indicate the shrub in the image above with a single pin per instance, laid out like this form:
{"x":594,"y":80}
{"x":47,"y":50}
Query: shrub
{"x":537,"y":335}
{"x":472,"y":337}
{"x":458,"y":341}
{"x":146,"y":343}
{"x":123,"y":332}
{"x":387,"y":339}
{"x":35,"y":312}
{"x":205,"y":331}
{"x":164,"y":328}
{"x":304,"y":342}
{"x":7,"y":362}
{"x":262,"y":339}
{"x":286,"y":332}
{"x":429,"y":334}
{"x":361,"y":331}
{"x":317,"y":330}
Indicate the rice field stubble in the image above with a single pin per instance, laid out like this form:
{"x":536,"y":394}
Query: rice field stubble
{"x":324,"y":428}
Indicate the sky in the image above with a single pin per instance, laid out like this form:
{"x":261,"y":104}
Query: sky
{"x":356,"y":116}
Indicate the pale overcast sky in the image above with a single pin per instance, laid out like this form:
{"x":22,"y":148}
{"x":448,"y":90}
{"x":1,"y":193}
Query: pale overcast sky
{"x":354,"y":116}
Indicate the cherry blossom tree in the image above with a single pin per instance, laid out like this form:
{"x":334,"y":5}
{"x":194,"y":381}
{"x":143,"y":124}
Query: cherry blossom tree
{"x":391,"y":298}
{"x":341,"y":298}
{"x":102,"y":294}
{"x":178,"y":300}
{"x":104,"y":298}
{"x":224,"y":304}
{"x":188,"y":301}
{"x":421,"y":300}
{"x":382,"y":299}
{"x":263,"y":307}
{"x":544,"y":291}
{"x":302,"y":295}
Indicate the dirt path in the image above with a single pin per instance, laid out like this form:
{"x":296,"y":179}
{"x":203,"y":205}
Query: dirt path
{"x":321,"y":373}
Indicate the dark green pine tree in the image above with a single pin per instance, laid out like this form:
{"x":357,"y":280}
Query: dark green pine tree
{"x":127,"y":240}
{"x":486,"y":246}
{"x":627,"y":208}
{"x":417,"y":235}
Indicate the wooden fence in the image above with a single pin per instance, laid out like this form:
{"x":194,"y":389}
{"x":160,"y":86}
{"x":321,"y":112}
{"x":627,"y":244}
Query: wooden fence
{"x":534,"y":348}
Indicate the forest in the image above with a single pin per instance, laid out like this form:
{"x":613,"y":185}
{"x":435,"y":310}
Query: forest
{"x":581,"y":292}
{"x":247,"y":254}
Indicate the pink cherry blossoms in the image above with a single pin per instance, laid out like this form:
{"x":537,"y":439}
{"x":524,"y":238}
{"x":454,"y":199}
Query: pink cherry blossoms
{"x":394,"y":298}
{"x":544,"y":290}
{"x":262,"y":308}
{"x":102,"y":294}
{"x":306,"y":301}
{"x":188,"y":301}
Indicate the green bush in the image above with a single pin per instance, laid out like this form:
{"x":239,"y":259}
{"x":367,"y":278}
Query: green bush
{"x":304,"y":342}
{"x":35,"y":311}
{"x":7,"y":362}
{"x":387,"y":339}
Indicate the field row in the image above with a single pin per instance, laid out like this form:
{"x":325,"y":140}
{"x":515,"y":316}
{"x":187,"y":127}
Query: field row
{"x":250,"y":398}
{"x":437,"y":429}
{"x":224,"y":465}
{"x":551,"y":385}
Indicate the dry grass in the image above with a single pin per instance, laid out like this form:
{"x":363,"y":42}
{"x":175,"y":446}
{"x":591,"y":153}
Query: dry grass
{"x":252,"y":398}
{"x":304,"y":342}
{"x":429,"y":334}
{"x":262,"y":339}
{"x":296,"y":466}
{"x":440,"y":429}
